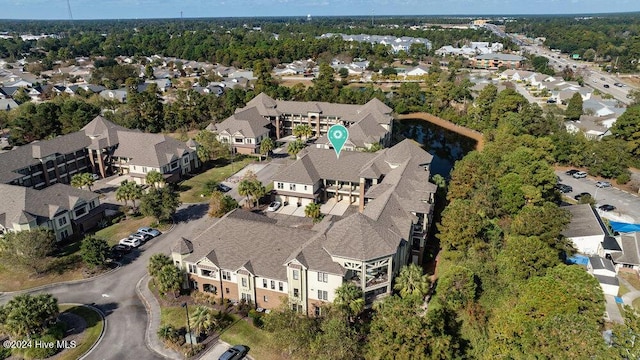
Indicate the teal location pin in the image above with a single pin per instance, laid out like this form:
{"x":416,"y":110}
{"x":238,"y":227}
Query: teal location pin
{"x":338,"y":136}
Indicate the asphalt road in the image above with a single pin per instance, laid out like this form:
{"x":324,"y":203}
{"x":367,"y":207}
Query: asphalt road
{"x":115,"y":293}
{"x":628,"y":205}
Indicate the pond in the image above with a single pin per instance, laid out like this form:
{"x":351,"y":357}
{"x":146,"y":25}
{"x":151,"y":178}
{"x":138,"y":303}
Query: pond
{"x":446,"y":146}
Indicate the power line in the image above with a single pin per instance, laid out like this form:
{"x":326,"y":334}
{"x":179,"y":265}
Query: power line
{"x":69,"y":10}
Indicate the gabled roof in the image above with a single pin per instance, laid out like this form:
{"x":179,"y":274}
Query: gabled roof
{"x":630,"y":249}
{"x":248,"y":121}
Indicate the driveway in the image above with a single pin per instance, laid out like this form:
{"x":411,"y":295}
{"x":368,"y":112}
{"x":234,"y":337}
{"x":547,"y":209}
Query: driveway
{"x":264,"y":171}
{"x":115,"y":293}
{"x":627,"y":204}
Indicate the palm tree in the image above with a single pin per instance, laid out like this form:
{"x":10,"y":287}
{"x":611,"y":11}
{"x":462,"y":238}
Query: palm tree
{"x":154,"y":178}
{"x":313,"y":211}
{"x":82,"y":180}
{"x":294,"y":147}
{"x":266,"y":146}
{"x":123,"y":192}
{"x":245,"y":189}
{"x":302,"y":130}
{"x":157,"y":262}
{"x":202,"y":319}
{"x":412,"y":282}
{"x":257,"y":190}
{"x":349,"y":299}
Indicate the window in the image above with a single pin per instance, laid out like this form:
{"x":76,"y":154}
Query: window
{"x":144,"y":169}
{"x":322,"y":295}
{"x":92,"y":205}
{"x":207,"y":273}
{"x":264,"y":283}
{"x":295,"y":275}
{"x":296,"y":293}
{"x":238,"y":140}
{"x":209,"y":288}
{"x":280,"y":185}
{"x":280,"y":286}
{"x":244,"y":282}
{"x":81,"y":211}
{"x":62,"y":221}
{"x":294,"y":307}
{"x":265,"y":298}
{"x":192,"y":268}
{"x":318,"y":311}
{"x":323,"y":277}
{"x":305,"y":187}
{"x":273,"y":285}
{"x":226,"y":290}
{"x":64,"y":234}
{"x":226,"y":275}
{"x":292,"y":187}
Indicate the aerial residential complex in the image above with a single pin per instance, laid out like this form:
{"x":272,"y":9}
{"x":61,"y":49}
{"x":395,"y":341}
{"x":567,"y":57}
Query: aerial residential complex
{"x":252,"y":257}
{"x":264,"y":117}
{"x":33,"y":177}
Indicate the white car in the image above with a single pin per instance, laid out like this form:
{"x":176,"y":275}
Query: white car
{"x":141,"y":236}
{"x":274,"y":206}
{"x":580,"y":175}
{"x":149,"y":231}
{"x":133,"y":242}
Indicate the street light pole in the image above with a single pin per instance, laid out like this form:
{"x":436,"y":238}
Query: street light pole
{"x":184,"y":305}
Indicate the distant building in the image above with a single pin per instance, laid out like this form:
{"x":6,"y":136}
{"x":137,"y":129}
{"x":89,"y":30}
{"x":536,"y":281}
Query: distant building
{"x":495,"y":61}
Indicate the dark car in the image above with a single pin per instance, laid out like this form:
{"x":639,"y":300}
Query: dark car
{"x":223,"y":188}
{"x":606,"y":207}
{"x":571,"y":172}
{"x":581,"y":195}
{"x":235,"y":353}
{"x":606,"y":85}
{"x":118,"y":251}
{"x":564,"y":188}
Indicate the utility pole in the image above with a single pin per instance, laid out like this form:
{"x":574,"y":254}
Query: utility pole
{"x":69,"y":10}
{"x":184,"y":305}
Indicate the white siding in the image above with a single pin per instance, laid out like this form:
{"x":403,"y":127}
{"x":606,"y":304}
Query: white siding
{"x":333,"y":282}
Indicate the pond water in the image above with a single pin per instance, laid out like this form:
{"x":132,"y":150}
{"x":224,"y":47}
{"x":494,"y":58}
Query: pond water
{"x":446,"y":146}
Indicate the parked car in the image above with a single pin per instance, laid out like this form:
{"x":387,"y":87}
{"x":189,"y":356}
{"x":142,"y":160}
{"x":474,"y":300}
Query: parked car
{"x":571,"y":172}
{"x":275,"y":205}
{"x":551,"y":101}
{"x":223,"y":188}
{"x":564,"y":188}
{"x":606,"y":207}
{"x":606,"y":85}
{"x":618,"y":84}
{"x":235,"y":353}
{"x":603,"y":184}
{"x":130,"y":241}
{"x":581,"y":195}
{"x":95,"y":177}
{"x":580,"y":175}
{"x":141,"y":236}
{"x":119,"y":250}
{"x":149,"y":231}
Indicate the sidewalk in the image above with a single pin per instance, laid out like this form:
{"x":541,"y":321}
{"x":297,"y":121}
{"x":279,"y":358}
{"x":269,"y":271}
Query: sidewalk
{"x":153,"y":312}
{"x":631,"y":295}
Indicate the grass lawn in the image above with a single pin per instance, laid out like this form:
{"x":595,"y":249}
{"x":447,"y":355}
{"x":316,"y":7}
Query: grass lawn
{"x":174,"y":316}
{"x":191,"y":189}
{"x":623,"y":290}
{"x":631,"y":278}
{"x":14,"y":278}
{"x":123,"y":229}
{"x":90,"y":334}
{"x":242,"y":332}
{"x":636,"y":304}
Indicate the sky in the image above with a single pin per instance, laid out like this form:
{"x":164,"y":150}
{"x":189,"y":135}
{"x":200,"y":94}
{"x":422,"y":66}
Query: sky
{"x":127,"y":9}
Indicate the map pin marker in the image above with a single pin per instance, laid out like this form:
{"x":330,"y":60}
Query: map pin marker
{"x":338,"y":136}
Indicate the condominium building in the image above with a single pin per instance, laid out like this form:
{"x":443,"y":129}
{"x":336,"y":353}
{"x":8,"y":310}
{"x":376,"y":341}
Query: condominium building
{"x":263,"y":116}
{"x":252,"y":257}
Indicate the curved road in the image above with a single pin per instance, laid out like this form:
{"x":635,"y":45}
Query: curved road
{"x":115,"y":293}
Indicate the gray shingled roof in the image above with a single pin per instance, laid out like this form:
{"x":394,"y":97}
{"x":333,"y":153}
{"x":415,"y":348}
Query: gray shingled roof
{"x":20,"y":204}
{"x":584,"y":222}
{"x":630,"y":249}
{"x":360,"y":238}
{"x":248,"y":122}
{"x":183,"y":246}
{"x":598,"y":263}
{"x":146,"y":149}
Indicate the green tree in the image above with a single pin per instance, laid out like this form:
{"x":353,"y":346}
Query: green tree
{"x":169,"y":279}
{"x":457,"y":287}
{"x":154,"y":178}
{"x":627,"y":128}
{"x":349,"y":300}
{"x":28,"y":315}
{"x":160,"y":203}
{"x":21,"y":96}
{"x":202,"y":319}
{"x":344,"y":73}
{"x":156,"y":263}
{"x":266,"y":146}
{"x":312,"y":210}
{"x":335,"y":339}
{"x":128,"y":190}
{"x":302,"y":131}
{"x":625,"y":344}
{"x":94,"y":251}
{"x":82,"y":180}
{"x":28,"y":248}
{"x":295,"y":147}
{"x":574,"y":107}
{"x":292,"y":333}
{"x":412,"y":283}
{"x":209,"y":147}
{"x":221,"y":204}
{"x":526,"y":257}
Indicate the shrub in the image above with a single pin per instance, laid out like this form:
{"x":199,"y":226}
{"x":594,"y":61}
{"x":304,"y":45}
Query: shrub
{"x":623,"y":178}
{"x":256,"y":318}
{"x":42,"y":352}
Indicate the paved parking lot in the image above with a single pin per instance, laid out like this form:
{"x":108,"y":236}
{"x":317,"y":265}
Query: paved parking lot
{"x":627,"y":205}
